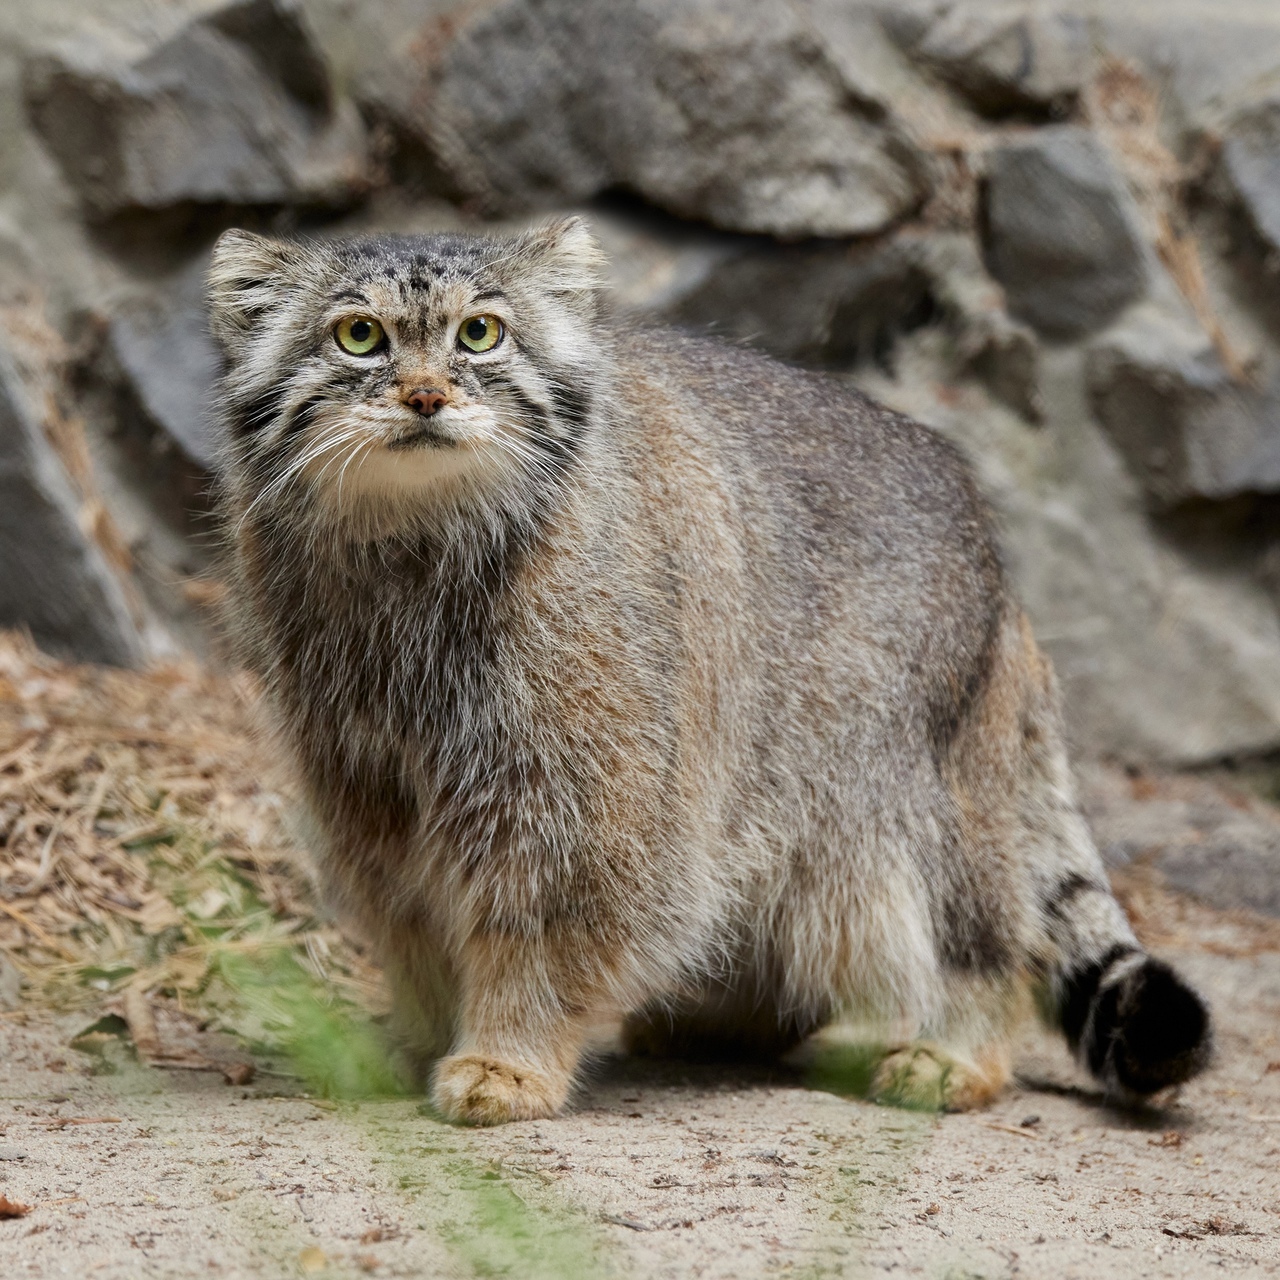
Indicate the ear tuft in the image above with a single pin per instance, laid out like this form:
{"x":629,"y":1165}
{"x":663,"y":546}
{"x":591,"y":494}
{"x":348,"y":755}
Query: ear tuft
{"x":565,"y":255}
{"x":247,"y":275}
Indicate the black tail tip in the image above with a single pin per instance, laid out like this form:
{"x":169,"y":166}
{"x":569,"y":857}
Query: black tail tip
{"x":1146,"y":1030}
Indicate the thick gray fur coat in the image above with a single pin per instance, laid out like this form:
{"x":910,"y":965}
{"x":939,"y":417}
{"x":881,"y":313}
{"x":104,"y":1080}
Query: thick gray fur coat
{"x":635,"y":680}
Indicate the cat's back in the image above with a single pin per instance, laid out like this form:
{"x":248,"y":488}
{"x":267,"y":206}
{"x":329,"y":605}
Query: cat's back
{"x":847,"y":502}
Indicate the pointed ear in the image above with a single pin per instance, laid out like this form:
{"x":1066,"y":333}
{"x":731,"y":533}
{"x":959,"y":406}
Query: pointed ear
{"x":248,"y":274}
{"x":564,"y":256}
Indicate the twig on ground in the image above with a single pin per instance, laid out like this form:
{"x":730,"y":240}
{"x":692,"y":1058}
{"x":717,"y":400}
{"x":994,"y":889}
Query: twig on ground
{"x":1008,"y":1128}
{"x":64,"y":1122}
{"x":630,"y":1223}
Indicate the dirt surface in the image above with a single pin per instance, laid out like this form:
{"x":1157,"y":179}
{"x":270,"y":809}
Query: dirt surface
{"x":662,"y":1169}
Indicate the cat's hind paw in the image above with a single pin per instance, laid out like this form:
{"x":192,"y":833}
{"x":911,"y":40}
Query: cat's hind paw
{"x":473,"y":1088}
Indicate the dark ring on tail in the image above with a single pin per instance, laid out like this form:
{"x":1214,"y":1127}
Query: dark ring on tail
{"x":1137,"y":1031}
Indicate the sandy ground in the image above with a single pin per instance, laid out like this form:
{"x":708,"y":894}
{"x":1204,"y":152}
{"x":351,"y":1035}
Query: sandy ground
{"x":662,"y":1170}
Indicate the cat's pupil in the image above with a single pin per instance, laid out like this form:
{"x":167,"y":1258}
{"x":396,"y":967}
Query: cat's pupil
{"x":477,"y":330}
{"x":361,"y":330}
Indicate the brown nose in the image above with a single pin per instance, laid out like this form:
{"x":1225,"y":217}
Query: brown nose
{"x":426,"y":400}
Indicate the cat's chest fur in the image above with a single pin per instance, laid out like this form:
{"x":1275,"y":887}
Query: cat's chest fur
{"x":392,"y":669}
{"x":447,"y":719}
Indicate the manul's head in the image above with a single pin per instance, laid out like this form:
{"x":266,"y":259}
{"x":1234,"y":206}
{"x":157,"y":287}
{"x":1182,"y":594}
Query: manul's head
{"x":382,"y":380}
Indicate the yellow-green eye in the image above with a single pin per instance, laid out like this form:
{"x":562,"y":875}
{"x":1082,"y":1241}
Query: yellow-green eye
{"x":359,"y":335}
{"x":480,"y":333}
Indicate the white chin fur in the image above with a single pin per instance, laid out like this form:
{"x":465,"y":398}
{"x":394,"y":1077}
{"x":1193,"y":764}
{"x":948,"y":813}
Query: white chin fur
{"x":368,"y":477}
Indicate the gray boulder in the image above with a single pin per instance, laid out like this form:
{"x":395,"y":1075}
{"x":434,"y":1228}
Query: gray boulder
{"x":391,"y":56}
{"x":237,"y":108}
{"x":1003,"y":56}
{"x":1006,"y":357}
{"x":841,"y":306}
{"x":987,"y":343}
{"x":830,"y":305}
{"x":1061,"y":233}
{"x":1186,"y":428}
{"x":1251,"y":165}
{"x":53,"y":579}
{"x":753,"y":116}
{"x":160,"y":347}
{"x":1232,"y":869}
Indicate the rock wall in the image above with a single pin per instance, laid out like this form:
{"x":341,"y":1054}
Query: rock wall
{"x":1051,"y":229}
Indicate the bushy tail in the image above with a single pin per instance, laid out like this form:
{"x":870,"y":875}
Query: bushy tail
{"x":1129,"y":1018}
{"x":1134,"y":1022}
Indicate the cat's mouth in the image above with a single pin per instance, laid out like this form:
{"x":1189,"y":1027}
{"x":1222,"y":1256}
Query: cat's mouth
{"x":422,"y":436}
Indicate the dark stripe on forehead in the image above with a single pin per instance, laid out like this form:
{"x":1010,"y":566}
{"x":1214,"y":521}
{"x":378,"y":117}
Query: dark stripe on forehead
{"x":350,"y":295}
{"x":424,"y":275}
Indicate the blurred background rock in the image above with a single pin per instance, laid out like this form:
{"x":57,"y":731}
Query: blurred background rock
{"x":1049,"y":229}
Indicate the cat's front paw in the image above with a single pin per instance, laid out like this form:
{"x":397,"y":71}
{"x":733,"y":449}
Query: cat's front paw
{"x":473,"y":1088}
{"x":925,"y":1077}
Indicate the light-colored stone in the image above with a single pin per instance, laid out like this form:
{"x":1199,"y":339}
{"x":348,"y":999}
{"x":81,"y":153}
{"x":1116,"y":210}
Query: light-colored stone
{"x":1004,"y":56}
{"x":747,"y":115}
{"x":1187,"y":428}
{"x":236,"y":108}
{"x":1206,"y":56}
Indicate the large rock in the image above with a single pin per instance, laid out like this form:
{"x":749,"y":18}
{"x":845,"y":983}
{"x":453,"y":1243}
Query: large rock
{"x":1251,"y":165}
{"x":1004,"y":56}
{"x":390,"y":56}
{"x":1062,"y":235}
{"x":237,"y":108}
{"x":752,"y":115}
{"x":1186,"y":427}
{"x":160,"y":346}
{"x":831,"y":305}
{"x":53,"y":579}
{"x":840,"y":306}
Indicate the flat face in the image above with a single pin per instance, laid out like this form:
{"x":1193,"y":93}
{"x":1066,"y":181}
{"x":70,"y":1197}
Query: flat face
{"x":380,"y":376}
{"x":411,"y":398}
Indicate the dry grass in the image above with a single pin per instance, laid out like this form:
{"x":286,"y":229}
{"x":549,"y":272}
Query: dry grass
{"x":144,"y":848}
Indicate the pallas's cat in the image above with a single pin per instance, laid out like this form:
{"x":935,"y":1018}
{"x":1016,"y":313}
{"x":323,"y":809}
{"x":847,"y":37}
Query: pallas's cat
{"x":636,"y":679}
